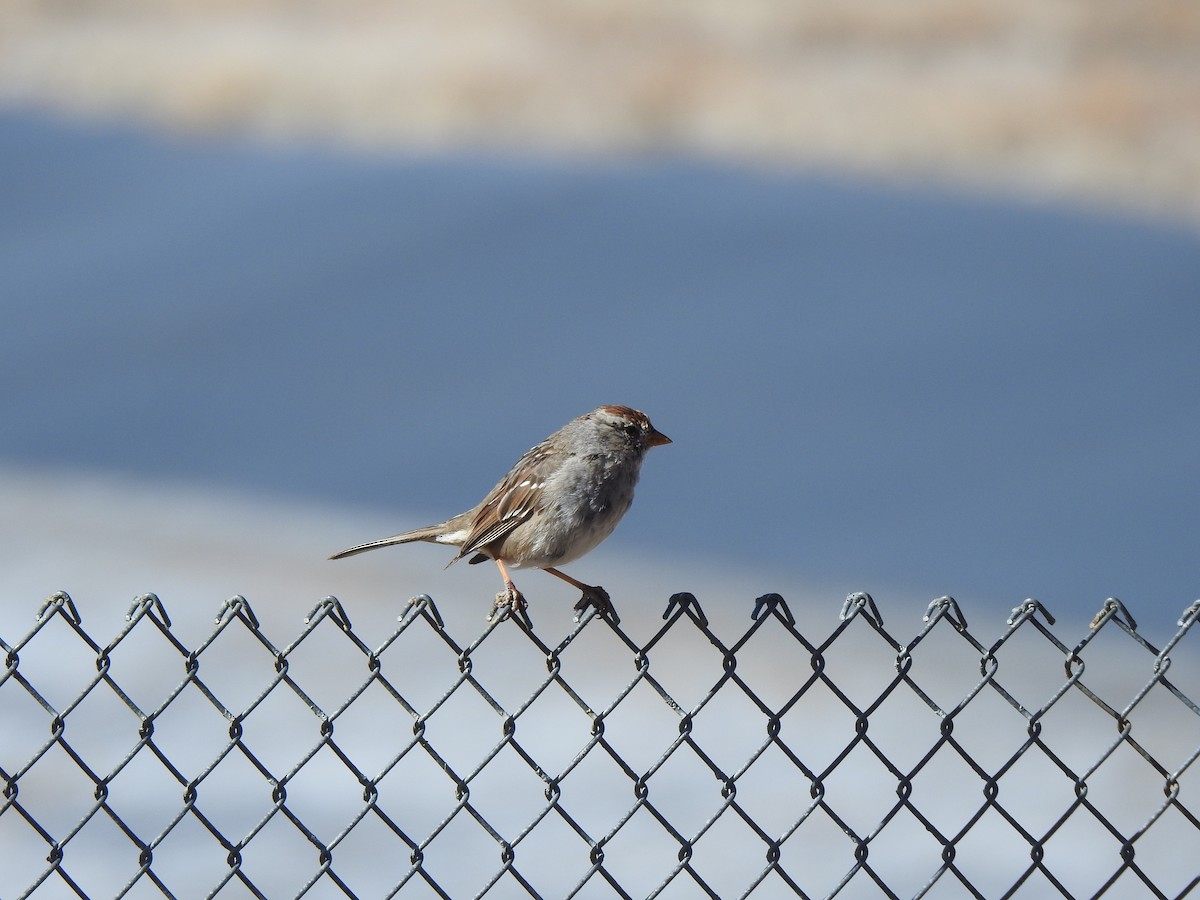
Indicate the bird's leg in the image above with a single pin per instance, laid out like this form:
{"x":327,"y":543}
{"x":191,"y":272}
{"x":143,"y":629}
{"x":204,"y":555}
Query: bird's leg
{"x":510,"y":599}
{"x":593,"y":595}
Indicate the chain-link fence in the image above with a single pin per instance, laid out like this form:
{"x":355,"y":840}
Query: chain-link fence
{"x":766,"y":763}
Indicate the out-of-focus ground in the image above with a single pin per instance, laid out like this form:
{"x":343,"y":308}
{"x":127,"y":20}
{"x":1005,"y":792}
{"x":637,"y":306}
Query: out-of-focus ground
{"x":1089,"y":101}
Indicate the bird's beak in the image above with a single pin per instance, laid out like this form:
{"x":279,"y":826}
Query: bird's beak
{"x":657,"y":439}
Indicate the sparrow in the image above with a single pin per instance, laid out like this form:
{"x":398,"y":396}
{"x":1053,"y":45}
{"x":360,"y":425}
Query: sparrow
{"x":557,"y":503}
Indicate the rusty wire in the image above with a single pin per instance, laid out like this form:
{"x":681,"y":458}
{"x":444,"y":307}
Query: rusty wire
{"x":768,"y":765}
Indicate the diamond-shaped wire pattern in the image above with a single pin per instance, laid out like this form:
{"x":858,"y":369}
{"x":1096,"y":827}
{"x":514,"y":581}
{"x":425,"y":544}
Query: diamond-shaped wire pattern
{"x":773,"y":764}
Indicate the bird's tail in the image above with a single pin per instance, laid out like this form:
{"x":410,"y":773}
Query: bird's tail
{"x":429,"y":533}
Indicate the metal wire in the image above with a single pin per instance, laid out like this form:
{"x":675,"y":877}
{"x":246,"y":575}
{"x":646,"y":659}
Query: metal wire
{"x":761,"y":764}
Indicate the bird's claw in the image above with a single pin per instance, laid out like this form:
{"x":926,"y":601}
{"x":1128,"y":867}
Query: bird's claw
{"x":597,"y":598}
{"x":511,"y":602}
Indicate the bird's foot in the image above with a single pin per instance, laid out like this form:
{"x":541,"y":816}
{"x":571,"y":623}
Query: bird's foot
{"x":511,"y":602}
{"x":597,"y":598}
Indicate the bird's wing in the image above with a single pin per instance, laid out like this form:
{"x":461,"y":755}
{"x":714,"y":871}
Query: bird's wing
{"x":513,"y":501}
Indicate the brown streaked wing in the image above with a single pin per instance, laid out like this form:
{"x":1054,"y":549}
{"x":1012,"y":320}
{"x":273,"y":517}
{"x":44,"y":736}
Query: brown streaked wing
{"x":513,"y":501}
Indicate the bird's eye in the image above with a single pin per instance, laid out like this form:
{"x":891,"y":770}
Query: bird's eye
{"x":632,"y":430}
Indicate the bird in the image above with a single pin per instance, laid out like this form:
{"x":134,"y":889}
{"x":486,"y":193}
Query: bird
{"x":558,"y":502}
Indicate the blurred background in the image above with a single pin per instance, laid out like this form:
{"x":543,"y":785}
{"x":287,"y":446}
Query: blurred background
{"x":914,"y":287}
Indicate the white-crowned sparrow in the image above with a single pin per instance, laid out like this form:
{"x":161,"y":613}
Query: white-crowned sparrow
{"x":560,"y":500}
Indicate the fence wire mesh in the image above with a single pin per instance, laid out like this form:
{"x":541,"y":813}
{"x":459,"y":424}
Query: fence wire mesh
{"x":684,"y":765}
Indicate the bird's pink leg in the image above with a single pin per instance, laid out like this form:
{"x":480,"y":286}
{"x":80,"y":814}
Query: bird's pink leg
{"x":510,"y":597}
{"x":593,"y":595}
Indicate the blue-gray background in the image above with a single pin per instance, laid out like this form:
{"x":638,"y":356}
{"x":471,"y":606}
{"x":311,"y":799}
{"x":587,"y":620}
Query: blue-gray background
{"x":898,"y":390}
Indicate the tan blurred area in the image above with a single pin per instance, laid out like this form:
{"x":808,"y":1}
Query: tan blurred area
{"x":1095,"y":102}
